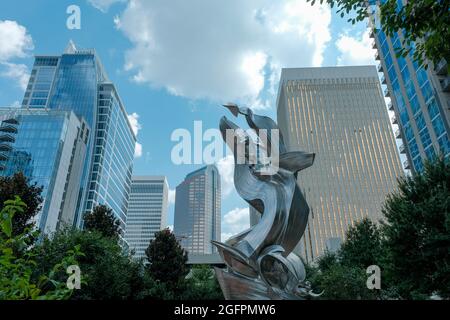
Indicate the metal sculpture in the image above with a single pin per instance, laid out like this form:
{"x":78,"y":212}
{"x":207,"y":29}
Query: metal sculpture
{"x":259,"y":261}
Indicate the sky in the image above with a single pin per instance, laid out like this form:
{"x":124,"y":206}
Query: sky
{"x":175,"y":62}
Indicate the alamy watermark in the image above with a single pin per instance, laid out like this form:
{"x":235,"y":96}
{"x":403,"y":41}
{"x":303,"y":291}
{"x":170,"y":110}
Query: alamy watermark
{"x":74,"y":280}
{"x":207,"y":147}
{"x":374,"y":280}
{"x":74,"y":19}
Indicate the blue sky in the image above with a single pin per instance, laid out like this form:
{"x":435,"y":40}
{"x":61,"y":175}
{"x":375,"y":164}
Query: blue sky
{"x":175,"y":61}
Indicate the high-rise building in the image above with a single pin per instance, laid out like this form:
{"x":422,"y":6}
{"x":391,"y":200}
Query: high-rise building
{"x":49,"y":148}
{"x":147,"y":212}
{"x":198,"y":210}
{"x":339,"y":114}
{"x":420,"y":98}
{"x":76,"y":81}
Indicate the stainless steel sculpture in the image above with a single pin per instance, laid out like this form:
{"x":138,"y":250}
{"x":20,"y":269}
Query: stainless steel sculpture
{"x":260,"y":262}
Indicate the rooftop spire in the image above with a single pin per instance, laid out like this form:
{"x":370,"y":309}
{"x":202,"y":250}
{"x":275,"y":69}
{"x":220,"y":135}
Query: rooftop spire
{"x":71,"y":48}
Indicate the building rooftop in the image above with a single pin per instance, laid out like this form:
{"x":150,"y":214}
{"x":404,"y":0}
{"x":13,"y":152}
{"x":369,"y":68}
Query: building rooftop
{"x":329,"y":72}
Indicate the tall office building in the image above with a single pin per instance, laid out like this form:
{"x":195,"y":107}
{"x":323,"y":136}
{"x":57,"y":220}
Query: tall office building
{"x":338,"y":113}
{"x":198,"y":210}
{"x":76,"y":81}
{"x":49,"y":148}
{"x":147,"y":212}
{"x":420,"y":98}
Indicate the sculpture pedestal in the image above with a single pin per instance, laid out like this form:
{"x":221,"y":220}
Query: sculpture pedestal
{"x":237,"y":287}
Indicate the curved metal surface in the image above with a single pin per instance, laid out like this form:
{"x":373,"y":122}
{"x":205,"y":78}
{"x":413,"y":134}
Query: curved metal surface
{"x":260,"y":262}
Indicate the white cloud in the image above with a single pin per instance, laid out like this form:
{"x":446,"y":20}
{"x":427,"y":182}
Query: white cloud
{"x":138,"y":150}
{"x":355,"y":50}
{"x":170,"y":226}
{"x":134,"y":122}
{"x":235,"y":221}
{"x":225,"y":236}
{"x":226,"y":170}
{"x":171,"y":196}
{"x":117,"y":23}
{"x":17,"y":72}
{"x":15,"y":41}
{"x":222,"y":51}
{"x":136,"y":126}
{"x":103,"y":5}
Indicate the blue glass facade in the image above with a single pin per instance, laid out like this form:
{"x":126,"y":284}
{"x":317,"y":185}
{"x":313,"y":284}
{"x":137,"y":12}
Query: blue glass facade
{"x":420,"y":102}
{"x":110,"y":178}
{"x":43,"y":145}
{"x":198,"y":210}
{"x":76,"y":81}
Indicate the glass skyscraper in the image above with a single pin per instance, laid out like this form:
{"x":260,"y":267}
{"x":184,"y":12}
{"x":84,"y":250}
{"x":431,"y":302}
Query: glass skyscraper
{"x":48,"y":147}
{"x":76,"y":81}
{"x":198,"y":210}
{"x":420,"y":98}
{"x":339,"y":114}
{"x":147,"y":212}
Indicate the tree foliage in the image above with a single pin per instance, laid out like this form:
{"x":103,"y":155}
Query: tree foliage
{"x":340,"y":282}
{"x":102,"y":219}
{"x":425,"y":24}
{"x":202,"y":284}
{"x":363,"y":245}
{"x":108,"y":272}
{"x":417,"y":233}
{"x":18,"y":262}
{"x":342,"y":275}
{"x":411,"y":246}
{"x":30,"y":194}
{"x":166,"y":259}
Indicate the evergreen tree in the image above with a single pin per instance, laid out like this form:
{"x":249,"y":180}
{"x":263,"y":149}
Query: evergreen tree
{"x":108,"y":273}
{"x":102,"y":219}
{"x":362,"y":247}
{"x":167,"y":259}
{"x":417,"y":233}
{"x":19,"y":185}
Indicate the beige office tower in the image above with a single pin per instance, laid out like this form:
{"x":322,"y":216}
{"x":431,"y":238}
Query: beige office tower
{"x":339,"y":114}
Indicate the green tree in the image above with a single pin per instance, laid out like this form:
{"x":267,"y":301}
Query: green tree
{"x":167,"y":259}
{"x":342,"y":275}
{"x":202,"y":284}
{"x":417,"y":233}
{"x":341,"y":282}
{"x":157,"y":290}
{"x":425,"y":24}
{"x":19,"y":185}
{"x":109,"y":273}
{"x":16,"y":273}
{"x":362,"y":247}
{"x":102,"y":219}
{"x":327,"y":261}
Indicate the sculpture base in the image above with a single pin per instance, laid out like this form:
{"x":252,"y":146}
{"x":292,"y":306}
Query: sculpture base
{"x":237,"y":287}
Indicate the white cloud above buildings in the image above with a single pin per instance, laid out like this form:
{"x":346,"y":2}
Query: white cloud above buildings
{"x":234,"y":222}
{"x":355,"y":50}
{"x":221,"y":51}
{"x":171,"y":196}
{"x":16,"y":43}
{"x":104,"y":5}
{"x":136,"y":126}
{"x":17,"y":72}
{"x":226,"y":171}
